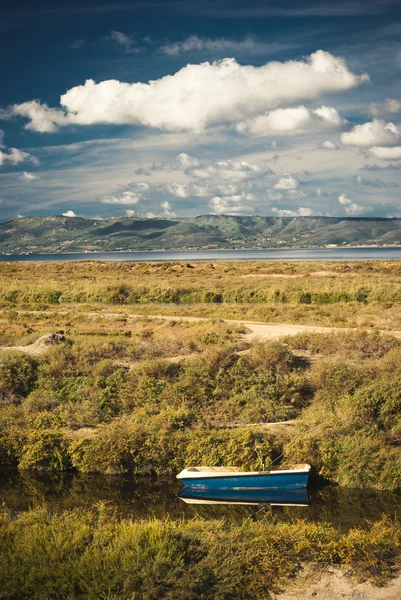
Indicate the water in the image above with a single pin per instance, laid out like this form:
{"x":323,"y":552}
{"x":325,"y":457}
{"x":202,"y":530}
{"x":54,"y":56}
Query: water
{"x":306,"y":254}
{"x":144,"y":497}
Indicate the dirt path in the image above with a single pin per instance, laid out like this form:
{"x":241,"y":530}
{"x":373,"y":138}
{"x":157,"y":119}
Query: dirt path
{"x":257,"y":329}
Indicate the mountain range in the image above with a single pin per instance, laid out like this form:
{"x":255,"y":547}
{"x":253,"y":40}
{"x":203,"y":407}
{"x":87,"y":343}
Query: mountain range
{"x":59,"y":234}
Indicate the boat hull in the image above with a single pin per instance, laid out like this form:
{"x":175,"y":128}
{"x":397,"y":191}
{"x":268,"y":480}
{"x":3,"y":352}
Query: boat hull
{"x":265,"y":481}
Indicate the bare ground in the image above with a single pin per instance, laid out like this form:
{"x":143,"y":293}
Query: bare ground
{"x":256,"y":330}
{"x":337,"y":583}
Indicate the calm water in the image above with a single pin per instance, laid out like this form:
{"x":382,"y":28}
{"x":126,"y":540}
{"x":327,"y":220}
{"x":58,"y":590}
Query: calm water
{"x":149,"y":496}
{"x":308,"y":254}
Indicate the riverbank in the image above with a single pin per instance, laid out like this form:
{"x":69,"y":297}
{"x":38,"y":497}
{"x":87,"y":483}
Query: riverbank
{"x":92,"y":554}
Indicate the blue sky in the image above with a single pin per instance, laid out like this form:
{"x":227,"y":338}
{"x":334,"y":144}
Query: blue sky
{"x":112,"y":109}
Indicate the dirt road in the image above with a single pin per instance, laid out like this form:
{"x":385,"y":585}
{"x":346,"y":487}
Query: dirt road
{"x":257,"y":329}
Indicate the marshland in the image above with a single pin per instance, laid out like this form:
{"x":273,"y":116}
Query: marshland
{"x":116,"y":372}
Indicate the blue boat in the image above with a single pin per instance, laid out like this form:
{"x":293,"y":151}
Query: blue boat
{"x":295,"y":497}
{"x":225,"y":478}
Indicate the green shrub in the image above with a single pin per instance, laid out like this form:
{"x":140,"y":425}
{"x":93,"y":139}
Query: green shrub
{"x":18,"y":375}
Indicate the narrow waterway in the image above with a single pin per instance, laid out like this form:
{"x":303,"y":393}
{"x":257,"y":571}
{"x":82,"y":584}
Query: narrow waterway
{"x":143,"y":497}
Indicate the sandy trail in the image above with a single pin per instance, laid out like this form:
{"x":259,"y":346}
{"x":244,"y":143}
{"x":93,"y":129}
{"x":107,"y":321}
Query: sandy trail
{"x":257,"y":329}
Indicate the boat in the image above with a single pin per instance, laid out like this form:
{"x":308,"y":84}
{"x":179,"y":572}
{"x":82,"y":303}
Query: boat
{"x":223,"y":478}
{"x":291,"y":497}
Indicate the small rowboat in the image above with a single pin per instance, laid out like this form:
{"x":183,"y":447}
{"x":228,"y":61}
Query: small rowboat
{"x":223,"y":478}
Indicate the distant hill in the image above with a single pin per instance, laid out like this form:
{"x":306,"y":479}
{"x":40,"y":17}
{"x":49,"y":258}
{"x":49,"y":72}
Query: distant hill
{"x":75,"y":234}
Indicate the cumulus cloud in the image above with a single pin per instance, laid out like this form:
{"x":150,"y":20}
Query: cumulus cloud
{"x":352,"y":208}
{"x":374,"y":133}
{"x":249,"y":45}
{"x":231,"y":204}
{"x":126,"y":197}
{"x":69,"y":213}
{"x":196,"y":97}
{"x":184,"y":161}
{"x":130,"y":212}
{"x":292,"y":120}
{"x":178,"y":189}
{"x":29,"y":176}
{"x":328,"y":145}
{"x":389,"y":106}
{"x":343,"y":199}
{"x":13,"y":156}
{"x":302,"y":211}
{"x":386,"y":153}
{"x":233,"y":170}
{"x":287,"y":182}
{"x":166,"y":205}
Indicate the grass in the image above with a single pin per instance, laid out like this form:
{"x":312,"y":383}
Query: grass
{"x":333,"y":293}
{"x":92,"y":554}
{"x":124,"y":393}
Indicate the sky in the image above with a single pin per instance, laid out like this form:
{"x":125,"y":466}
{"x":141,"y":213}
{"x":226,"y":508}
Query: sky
{"x":181,"y":108}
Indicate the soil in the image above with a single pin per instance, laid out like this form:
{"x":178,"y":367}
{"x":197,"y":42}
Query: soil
{"x":337,"y":583}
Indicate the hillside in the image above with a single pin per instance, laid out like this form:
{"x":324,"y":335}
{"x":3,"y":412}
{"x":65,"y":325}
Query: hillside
{"x":75,"y":234}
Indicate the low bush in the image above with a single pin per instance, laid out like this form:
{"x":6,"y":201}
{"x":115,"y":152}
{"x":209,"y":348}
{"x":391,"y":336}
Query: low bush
{"x":92,"y":554}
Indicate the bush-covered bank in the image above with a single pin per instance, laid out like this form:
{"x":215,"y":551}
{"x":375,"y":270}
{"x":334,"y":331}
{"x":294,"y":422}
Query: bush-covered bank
{"x":91,"y":554}
{"x":77,"y":409}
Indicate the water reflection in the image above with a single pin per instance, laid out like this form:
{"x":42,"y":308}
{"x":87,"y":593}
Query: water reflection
{"x":142,"y":497}
{"x":246,"y":497}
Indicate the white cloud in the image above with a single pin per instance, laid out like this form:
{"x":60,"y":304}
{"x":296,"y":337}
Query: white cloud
{"x":352,"y":208}
{"x":292,"y":120}
{"x":374,"y":133}
{"x":29,"y":176}
{"x":302,"y":211}
{"x":123,"y":40}
{"x":386,"y":153}
{"x":249,"y":45}
{"x":356,"y":209}
{"x":390,"y":106}
{"x":328,"y":145}
{"x":343,"y":199}
{"x":231,"y":204}
{"x":185,"y":161}
{"x":15,"y":157}
{"x":69,"y":213}
{"x":130,"y":212}
{"x":228,"y":169}
{"x":287,"y":182}
{"x":177,"y":189}
{"x":126,"y":197}
{"x":197,"y":96}
{"x":41,"y":117}
{"x":166,"y":205}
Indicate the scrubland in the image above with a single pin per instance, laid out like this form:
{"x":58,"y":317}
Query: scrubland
{"x":122,"y":393}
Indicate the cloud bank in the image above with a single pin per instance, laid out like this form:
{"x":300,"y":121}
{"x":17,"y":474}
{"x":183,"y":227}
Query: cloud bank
{"x":199,"y":96}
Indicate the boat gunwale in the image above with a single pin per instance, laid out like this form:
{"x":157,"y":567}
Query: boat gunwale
{"x":186,"y":474}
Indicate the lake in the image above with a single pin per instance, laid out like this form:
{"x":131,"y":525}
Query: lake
{"x":143,"y":497}
{"x":301,"y":254}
